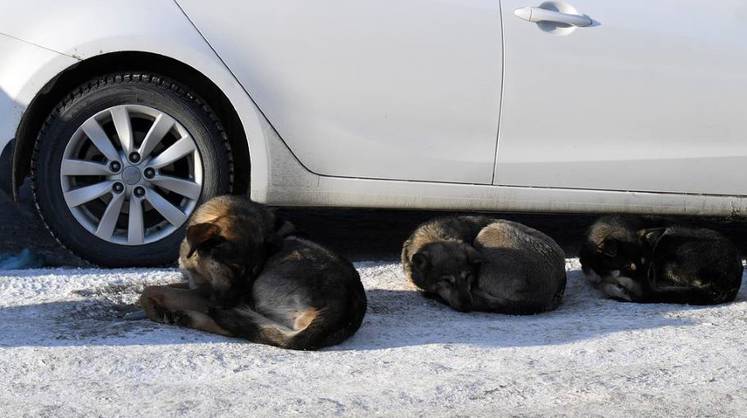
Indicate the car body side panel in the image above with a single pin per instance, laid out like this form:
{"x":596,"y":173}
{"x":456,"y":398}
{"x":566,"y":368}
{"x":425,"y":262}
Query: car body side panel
{"x":649,"y":99}
{"x":292,"y":185}
{"x":384,"y":89}
{"x":86,"y":28}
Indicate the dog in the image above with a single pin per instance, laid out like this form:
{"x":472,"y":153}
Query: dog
{"x":249,"y":277}
{"x":652,"y":260}
{"x":504,"y":267}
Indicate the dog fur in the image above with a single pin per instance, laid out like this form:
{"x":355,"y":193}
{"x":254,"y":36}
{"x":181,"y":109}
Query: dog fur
{"x":307,"y":297}
{"x":522,"y":270}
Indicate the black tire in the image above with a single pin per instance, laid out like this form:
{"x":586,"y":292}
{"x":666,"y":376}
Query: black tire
{"x":152,"y":90}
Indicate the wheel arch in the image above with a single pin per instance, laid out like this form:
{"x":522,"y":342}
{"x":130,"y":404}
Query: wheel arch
{"x":58,"y":87}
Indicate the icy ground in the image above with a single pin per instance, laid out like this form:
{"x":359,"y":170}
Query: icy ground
{"x":65,"y":350}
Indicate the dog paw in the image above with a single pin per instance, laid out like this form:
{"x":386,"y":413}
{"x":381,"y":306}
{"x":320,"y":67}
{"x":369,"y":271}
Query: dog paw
{"x":153,"y":309}
{"x":182,"y":319}
{"x":622,"y":288}
{"x":616,"y":291}
{"x":158,"y":313}
{"x":629,"y":284}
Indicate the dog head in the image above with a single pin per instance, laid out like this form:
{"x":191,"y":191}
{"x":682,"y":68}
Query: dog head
{"x":613,"y":248}
{"x":227,"y":242}
{"x":448,"y":269}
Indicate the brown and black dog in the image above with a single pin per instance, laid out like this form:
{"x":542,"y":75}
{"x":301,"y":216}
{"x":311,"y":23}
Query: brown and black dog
{"x":477,"y":263}
{"x":249,"y":277}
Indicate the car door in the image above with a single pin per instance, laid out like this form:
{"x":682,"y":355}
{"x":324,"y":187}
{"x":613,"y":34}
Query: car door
{"x":385,"y":89}
{"x":650,"y":96}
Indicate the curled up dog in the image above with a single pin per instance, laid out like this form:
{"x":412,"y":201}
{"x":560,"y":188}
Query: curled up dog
{"x":249,"y":277}
{"x":485,"y":264}
{"x":636,"y":260}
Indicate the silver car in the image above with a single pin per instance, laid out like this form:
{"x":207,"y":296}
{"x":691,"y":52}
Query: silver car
{"x":127,"y":115}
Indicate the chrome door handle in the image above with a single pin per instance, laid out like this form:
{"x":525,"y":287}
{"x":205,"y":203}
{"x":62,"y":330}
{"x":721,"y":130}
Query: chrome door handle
{"x":538,"y":14}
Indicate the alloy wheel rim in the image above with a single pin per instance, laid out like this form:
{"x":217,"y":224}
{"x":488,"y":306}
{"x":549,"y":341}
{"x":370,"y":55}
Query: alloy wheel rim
{"x":131,"y":175}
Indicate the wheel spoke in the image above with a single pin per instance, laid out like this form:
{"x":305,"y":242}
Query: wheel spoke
{"x":100,"y":139}
{"x":170,"y":212}
{"x":81,"y":195}
{"x":108,"y":222}
{"x":135,"y":225}
{"x":121,"y":119}
{"x":161,"y":126}
{"x":183,"y":187}
{"x":174,"y":153}
{"x":83,"y":168}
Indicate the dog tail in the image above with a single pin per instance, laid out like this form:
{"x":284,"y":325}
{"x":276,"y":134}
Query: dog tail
{"x":313,"y":329}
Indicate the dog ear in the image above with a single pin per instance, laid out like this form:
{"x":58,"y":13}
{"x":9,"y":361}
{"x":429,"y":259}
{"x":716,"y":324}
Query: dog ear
{"x":281,"y":230}
{"x":609,"y":247}
{"x":421,"y":261}
{"x":284,"y":228}
{"x":473,"y":256}
{"x":199,"y":234}
{"x":651,"y":236}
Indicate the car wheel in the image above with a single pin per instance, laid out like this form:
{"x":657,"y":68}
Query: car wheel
{"x":122,"y":162}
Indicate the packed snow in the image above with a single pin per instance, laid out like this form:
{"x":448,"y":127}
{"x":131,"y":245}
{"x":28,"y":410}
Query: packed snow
{"x":67,"y":348}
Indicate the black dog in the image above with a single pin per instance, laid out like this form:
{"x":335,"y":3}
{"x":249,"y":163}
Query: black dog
{"x":643,"y":260}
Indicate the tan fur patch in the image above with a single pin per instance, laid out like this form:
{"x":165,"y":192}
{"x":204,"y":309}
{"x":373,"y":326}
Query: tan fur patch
{"x":203,"y":322}
{"x":602,"y":232}
{"x":498,"y":235}
{"x":294,"y":256}
{"x":304,"y":319}
{"x":210,"y":211}
{"x":220,"y":212}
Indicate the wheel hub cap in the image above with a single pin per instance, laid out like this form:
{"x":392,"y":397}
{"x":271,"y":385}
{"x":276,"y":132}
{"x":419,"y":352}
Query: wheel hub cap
{"x":131,"y":176}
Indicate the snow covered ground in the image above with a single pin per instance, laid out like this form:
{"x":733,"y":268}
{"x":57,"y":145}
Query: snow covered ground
{"x":66,"y":350}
